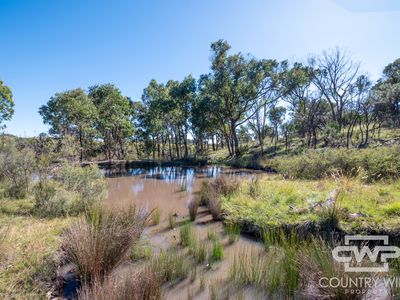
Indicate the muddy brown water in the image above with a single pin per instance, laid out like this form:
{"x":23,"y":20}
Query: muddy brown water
{"x":169,"y":189}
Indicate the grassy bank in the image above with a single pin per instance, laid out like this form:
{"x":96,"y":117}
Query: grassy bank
{"x":29,"y":257}
{"x":347,"y":204}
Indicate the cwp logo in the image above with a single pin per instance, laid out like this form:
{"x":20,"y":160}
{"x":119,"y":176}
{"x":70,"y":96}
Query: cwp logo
{"x":346,"y":254}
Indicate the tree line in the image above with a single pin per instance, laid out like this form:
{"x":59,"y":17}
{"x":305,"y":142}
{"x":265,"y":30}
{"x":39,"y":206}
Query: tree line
{"x":325,"y":101}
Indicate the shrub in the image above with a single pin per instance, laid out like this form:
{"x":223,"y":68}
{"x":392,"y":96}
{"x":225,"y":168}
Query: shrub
{"x":88,"y":181}
{"x":99,"y":242}
{"x":53,"y":201}
{"x":144,"y":284}
{"x":16,"y":169}
{"x":193,"y":207}
{"x":74,"y":190}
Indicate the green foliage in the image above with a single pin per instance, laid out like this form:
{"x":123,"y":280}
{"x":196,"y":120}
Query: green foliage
{"x":187,"y":235}
{"x":172,"y":265}
{"x":71,"y":113}
{"x":6,"y":103}
{"x":74,"y":190}
{"x":114,"y":113}
{"x":212,"y":234}
{"x":233,"y":231}
{"x":16,"y":169}
{"x":369,"y":164}
{"x":217,"y":252}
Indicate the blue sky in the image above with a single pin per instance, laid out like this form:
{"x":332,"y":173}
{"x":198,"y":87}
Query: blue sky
{"x":50,"y":46}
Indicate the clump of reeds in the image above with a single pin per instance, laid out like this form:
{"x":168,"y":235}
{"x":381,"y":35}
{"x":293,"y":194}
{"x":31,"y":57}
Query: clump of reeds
{"x":254,"y":187}
{"x":233,"y":231}
{"x":155,"y":216}
{"x":201,"y":252}
{"x":171,"y":265}
{"x":171,"y":220}
{"x":217,"y":252}
{"x":135,"y":285}
{"x":315,"y":261}
{"x":212,"y":234}
{"x":187,"y":235}
{"x":99,"y":242}
{"x":193,"y":206}
{"x":212,"y":190}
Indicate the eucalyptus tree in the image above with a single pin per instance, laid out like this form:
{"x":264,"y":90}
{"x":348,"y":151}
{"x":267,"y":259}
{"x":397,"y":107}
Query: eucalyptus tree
{"x":306,"y":106}
{"x":114,"y":122}
{"x":387,"y":91}
{"x":71,"y":113}
{"x":183,"y":95}
{"x":335,"y":77}
{"x":6,"y":104}
{"x":273,"y":90}
{"x":234,"y":86}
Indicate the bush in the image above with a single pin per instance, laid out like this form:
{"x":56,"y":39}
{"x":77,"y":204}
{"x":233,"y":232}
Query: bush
{"x":73,"y":190}
{"x":53,"y":201}
{"x":16,"y":169}
{"x":101,"y":241}
{"x":88,"y":181}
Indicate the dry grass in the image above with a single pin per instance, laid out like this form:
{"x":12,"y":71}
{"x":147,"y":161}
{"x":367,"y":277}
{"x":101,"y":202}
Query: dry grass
{"x":143,"y":284}
{"x":193,"y":207}
{"x":101,"y":241}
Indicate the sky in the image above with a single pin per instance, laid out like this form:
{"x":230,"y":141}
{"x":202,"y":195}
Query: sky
{"x":50,"y":46}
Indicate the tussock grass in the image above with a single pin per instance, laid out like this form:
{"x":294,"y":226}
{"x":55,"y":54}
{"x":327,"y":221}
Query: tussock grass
{"x":172,"y":265}
{"x":212,"y":234}
{"x":99,"y":242}
{"x":233,"y":231}
{"x":171,"y":220}
{"x":3,"y":236}
{"x":193,"y":206}
{"x":155,"y":216}
{"x":217,"y":252}
{"x":143,"y":284}
{"x":187,"y":235}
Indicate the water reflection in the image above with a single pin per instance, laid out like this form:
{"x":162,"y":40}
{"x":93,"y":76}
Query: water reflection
{"x":168,"y":188}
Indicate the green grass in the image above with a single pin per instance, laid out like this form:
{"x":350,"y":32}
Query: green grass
{"x":217,"y":252}
{"x":280,"y":202}
{"x":30,"y":256}
{"x":187,"y":235}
